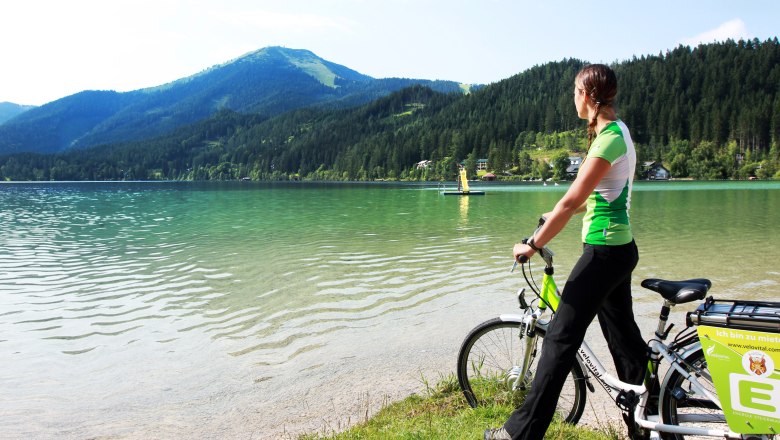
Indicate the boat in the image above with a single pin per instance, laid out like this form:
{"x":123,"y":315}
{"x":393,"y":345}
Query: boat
{"x":463,"y":187}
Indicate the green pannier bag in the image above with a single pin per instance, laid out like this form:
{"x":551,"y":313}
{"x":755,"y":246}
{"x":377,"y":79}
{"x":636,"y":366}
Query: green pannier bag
{"x":741,"y":342}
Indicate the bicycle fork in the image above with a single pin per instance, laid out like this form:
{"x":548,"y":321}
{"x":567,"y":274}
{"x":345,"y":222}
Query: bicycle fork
{"x":528,"y":332}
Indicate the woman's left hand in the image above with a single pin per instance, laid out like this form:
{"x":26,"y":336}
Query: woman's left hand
{"x":522,"y":249}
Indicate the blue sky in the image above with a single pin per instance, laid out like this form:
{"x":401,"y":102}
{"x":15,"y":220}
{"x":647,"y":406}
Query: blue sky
{"x":54,"y":48}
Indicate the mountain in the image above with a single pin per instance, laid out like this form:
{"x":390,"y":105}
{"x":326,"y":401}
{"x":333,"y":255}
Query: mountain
{"x":269,"y":81}
{"x":9,"y":110}
{"x":711,"y":112}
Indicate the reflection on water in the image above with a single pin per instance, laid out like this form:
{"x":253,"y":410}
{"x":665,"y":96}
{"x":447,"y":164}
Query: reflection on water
{"x":164,"y":307}
{"x":464,"y":210}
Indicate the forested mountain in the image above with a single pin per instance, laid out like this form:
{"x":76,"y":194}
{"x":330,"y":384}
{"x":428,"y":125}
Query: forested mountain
{"x":708,"y":112}
{"x":269,"y":81}
{"x":9,"y":110}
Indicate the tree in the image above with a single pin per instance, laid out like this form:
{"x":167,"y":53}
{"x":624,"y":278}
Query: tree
{"x":524,"y":163}
{"x":542,"y":169}
{"x":471,"y":164}
{"x":560,"y":162}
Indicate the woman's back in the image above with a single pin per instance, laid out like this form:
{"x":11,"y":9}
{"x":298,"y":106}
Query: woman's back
{"x":606,"y":219}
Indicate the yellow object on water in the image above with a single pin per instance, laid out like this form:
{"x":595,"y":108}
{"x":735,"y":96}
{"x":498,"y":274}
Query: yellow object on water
{"x":463,"y":183}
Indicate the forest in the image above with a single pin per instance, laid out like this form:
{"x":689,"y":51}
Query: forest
{"x":709,"y":112}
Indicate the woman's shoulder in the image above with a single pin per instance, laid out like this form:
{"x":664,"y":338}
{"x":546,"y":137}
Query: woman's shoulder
{"x":610,"y":143}
{"x":613,"y":128}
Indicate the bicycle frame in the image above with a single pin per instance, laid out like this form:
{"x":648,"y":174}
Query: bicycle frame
{"x":627,"y":396}
{"x":615,"y":386}
{"x":592,"y":366}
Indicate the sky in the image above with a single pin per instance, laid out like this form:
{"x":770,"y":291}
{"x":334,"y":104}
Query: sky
{"x":50,"y":49}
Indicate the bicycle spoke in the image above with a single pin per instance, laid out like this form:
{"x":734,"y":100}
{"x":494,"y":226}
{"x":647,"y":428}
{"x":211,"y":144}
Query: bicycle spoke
{"x":490,"y":365}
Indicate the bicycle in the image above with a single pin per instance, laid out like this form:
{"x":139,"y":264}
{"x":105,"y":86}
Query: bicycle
{"x":495,"y":361}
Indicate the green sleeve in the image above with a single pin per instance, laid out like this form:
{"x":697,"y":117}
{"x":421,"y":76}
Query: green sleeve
{"x":609,"y":144}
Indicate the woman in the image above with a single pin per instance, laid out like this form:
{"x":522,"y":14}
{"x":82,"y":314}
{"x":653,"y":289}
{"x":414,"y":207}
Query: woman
{"x":600,"y":282}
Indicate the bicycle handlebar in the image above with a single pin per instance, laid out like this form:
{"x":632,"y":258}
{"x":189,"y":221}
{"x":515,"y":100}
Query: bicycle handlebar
{"x":545,"y":253}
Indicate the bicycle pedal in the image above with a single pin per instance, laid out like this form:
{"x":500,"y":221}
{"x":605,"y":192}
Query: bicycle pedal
{"x":627,"y":401}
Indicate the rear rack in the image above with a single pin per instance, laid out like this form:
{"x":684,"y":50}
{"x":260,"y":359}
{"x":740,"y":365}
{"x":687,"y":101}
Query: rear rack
{"x":737,"y":314}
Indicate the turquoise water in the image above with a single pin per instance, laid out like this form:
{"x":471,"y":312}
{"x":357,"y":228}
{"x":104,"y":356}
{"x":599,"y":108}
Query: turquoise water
{"x":187,"y":309}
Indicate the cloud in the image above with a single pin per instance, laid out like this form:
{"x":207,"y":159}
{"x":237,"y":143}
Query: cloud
{"x":734,"y":29}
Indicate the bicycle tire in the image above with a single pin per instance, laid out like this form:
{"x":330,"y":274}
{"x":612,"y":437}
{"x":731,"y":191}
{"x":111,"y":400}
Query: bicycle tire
{"x":491,"y":354}
{"x":682,"y":406}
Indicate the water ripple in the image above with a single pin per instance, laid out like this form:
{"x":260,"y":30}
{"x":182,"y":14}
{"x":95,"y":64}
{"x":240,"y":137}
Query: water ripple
{"x":177,"y":292}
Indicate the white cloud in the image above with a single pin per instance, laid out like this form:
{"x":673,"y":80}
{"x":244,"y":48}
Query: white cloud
{"x":734,"y":29}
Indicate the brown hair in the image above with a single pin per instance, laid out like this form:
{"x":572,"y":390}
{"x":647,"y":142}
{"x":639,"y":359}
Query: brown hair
{"x":600,"y":84}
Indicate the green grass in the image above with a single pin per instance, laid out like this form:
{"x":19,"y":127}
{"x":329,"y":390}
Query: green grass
{"x":316,"y":69}
{"x":410,"y":109}
{"x":442,"y":413}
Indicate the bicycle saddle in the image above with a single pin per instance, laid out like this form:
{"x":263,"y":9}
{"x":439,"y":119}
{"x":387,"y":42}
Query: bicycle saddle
{"x":679,"y":292}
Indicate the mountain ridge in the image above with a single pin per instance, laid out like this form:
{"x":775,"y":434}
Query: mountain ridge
{"x":268,"y":81}
{"x":709,"y":112}
{"x":9,"y":110}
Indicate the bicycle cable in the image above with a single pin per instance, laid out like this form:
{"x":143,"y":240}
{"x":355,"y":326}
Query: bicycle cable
{"x":532,"y":282}
{"x":534,"y":287}
{"x":684,"y":338}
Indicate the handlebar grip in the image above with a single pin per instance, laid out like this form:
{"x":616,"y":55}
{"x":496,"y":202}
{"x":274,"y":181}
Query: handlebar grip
{"x":522,"y":259}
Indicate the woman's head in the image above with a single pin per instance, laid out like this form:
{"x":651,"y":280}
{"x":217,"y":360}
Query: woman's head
{"x":598,"y":82}
{"x":595,"y":87}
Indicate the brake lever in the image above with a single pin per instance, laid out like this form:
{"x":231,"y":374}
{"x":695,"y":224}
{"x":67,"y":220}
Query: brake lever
{"x":523,"y":259}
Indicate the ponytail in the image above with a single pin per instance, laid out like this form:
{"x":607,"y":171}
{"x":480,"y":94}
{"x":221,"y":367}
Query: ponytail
{"x":592,"y":124}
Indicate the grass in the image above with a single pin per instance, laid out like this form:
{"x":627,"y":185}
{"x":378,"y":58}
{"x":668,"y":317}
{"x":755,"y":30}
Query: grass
{"x":441,"y":412}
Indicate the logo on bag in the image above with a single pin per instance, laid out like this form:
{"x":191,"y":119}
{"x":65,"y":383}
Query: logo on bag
{"x":711,"y":353}
{"x":757,"y":363}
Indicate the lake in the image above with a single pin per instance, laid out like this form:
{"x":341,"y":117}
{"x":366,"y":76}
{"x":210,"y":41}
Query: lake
{"x":259,"y":310}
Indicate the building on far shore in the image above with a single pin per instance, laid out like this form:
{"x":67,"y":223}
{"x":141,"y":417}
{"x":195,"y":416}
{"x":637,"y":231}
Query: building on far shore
{"x":423,"y":164}
{"x":655,"y":171}
{"x":574,"y":167}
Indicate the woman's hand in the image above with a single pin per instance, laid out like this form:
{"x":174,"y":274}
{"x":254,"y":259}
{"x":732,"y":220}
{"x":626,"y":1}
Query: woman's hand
{"x":522,"y":249}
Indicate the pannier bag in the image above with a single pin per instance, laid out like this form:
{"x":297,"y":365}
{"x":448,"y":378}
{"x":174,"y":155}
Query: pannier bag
{"x":741,"y":343}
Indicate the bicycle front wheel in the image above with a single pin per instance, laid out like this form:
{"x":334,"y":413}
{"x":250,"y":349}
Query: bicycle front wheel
{"x":490,"y":361}
{"x":682,"y":405}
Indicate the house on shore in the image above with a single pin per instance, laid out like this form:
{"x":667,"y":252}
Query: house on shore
{"x":655,"y":171}
{"x":423,"y":164}
{"x":574,"y":167}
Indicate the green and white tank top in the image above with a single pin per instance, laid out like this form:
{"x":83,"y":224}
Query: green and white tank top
{"x":606,"y":218}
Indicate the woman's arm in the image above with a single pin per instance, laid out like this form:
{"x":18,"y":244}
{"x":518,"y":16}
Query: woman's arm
{"x":582,"y":208}
{"x":593,"y":170}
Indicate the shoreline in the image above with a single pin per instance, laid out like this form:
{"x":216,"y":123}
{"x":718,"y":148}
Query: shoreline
{"x":600,"y":409}
{"x":367,"y":395}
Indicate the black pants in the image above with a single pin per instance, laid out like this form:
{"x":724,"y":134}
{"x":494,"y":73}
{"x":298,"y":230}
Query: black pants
{"x":599,"y":284}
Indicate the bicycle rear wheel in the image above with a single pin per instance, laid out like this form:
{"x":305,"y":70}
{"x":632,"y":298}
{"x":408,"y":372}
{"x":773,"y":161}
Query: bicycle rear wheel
{"x":489,"y":363}
{"x":682,"y":405}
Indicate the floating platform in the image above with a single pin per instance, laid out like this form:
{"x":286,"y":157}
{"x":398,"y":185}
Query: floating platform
{"x":463,"y":193}
{"x":463,"y":187}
